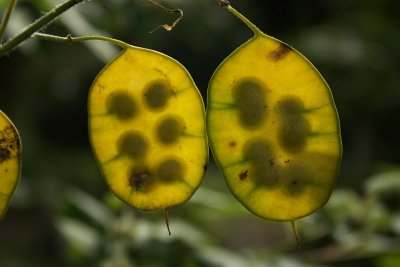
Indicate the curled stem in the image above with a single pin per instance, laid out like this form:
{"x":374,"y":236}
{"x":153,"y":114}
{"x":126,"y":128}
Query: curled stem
{"x":37,"y":25}
{"x":6,"y":18}
{"x":167,"y":27}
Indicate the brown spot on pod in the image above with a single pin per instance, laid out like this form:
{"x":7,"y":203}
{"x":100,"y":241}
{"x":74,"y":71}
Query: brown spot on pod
{"x":140,"y":178}
{"x":279,"y":53}
{"x":243,"y":175}
{"x":4,"y":154}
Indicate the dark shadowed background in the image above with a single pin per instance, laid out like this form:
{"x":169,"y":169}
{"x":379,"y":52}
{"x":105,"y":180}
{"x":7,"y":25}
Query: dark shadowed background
{"x":62,"y":213}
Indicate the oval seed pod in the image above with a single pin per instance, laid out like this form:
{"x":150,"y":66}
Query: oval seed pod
{"x":273,"y":128}
{"x":147,"y":129}
{"x":10,"y":161}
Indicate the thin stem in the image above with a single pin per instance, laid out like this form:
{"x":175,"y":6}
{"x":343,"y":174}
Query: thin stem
{"x":163,"y":8}
{"x":6,"y":18}
{"x":296,"y":233}
{"x":166,"y":220}
{"x":248,"y":23}
{"x":70,"y":39}
{"x":37,"y":25}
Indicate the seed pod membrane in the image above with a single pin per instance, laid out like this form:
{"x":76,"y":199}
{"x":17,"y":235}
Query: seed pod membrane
{"x":147,"y":129}
{"x":274,"y":129}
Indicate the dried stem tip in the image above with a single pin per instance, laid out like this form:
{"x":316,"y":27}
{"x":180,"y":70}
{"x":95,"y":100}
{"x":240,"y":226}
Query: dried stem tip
{"x":224,"y":3}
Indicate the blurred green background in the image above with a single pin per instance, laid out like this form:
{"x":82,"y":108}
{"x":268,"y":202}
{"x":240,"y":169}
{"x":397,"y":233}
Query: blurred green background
{"x":62,"y":213}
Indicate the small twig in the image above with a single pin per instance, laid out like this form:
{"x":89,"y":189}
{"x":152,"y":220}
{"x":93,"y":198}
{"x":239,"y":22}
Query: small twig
{"x":167,"y":27}
{"x":37,"y":25}
{"x":6,"y":18}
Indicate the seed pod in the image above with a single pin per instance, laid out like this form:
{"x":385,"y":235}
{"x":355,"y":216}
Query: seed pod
{"x":10,"y":161}
{"x":273,"y":128}
{"x":147,"y":129}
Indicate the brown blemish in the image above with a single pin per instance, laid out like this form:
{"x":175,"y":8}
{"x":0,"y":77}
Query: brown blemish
{"x":224,"y":3}
{"x":232,"y":144}
{"x":280,"y":52}
{"x":139,"y":179}
{"x":243,"y":175}
{"x":287,"y":161}
{"x":4,"y":154}
{"x":9,"y":143}
{"x":271,"y":162}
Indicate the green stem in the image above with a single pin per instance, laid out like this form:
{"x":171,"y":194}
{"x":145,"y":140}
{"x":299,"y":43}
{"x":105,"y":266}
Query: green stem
{"x":296,"y":233}
{"x":37,"y":25}
{"x":6,"y":17}
{"x":248,"y":23}
{"x":70,"y":39}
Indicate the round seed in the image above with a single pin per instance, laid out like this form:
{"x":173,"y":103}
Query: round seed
{"x":133,"y":144}
{"x":122,"y":105}
{"x":157,"y":93}
{"x":290,"y":106}
{"x":170,"y":129}
{"x":263,"y":169}
{"x":293,"y":134}
{"x":250,"y":97}
{"x":170,"y":170}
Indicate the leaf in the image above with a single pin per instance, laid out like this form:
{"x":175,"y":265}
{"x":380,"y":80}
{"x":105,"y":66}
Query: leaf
{"x":273,"y":129}
{"x":10,"y":161}
{"x":147,"y":129}
{"x":383,"y":183}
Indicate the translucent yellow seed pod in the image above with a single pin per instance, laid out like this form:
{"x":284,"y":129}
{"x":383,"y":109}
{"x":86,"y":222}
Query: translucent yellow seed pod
{"x":10,"y":161}
{"x":273,"y":128}
{"x":147,"y":129}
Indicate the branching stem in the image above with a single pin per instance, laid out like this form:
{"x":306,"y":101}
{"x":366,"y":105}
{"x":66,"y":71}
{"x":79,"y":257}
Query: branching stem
{"x":37,"y":25}
{"x":53,"y":14}
{"x":6,"y":18}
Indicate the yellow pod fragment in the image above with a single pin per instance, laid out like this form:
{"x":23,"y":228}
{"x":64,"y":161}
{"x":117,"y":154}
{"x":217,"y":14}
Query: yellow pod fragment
{"x":273,"y":129}
{"x":10,"y":161}
{"x":147,"y":129}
